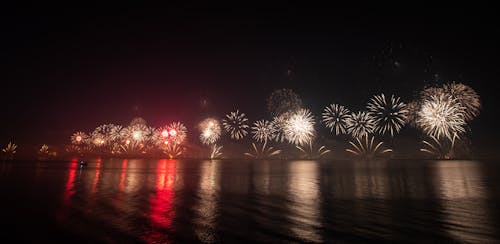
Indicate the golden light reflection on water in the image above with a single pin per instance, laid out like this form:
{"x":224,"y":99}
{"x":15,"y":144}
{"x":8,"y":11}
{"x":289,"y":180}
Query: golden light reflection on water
{"x":463,"y":198}
{"x":371,"y":180}
{"x":206,"y":207}
{"x":304,"y":202}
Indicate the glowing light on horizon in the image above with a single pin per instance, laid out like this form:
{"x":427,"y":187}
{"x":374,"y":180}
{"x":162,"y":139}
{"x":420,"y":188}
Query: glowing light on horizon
{"x":334,"y":118}
{"x":389,"y":114}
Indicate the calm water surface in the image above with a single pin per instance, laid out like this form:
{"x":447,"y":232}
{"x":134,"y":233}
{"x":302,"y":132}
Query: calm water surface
{"x":156,"y":201}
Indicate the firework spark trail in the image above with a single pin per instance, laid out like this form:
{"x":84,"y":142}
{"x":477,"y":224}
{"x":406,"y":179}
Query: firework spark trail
{"x":389,"y":114}
{"x":264,"y":152}
{"x":360,"y":124}
{"x":236,"y":124}
{"x":310,"y":153}
{"x":210,"y":131}
{"x":216,"y":151}
{"x":299,"y":128}
{"x":441,"y":115}
{"x":367,"y":147}
{"x":334,"y":118}
{"x":439,"y":149}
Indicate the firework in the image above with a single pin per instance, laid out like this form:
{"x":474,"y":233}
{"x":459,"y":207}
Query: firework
{"x":264,"y":152}
{"x":138,"y":121}
{"x":428,"y":92}
{"x":412,"y":116}
{"x":210,"y":131}
{"x":136,"y":132}
{"x":173,"y":150}
{"x":467,"y":97}
{"x":299,"y":128}
{"x":79,"y":138}
{"x":282,"y":101}
{"x":312,"y":153}
{"x":367,"y":147}
{"x":279,"y":123}
{"x":215,"y":152}
{"x":236,"y":124}
{"x":360,"y":124}
{"x":263,"y":131}
{"x":177,"y":132}
{"x":109,"y":131}
{"x":389,"y":114}
{"x":10,"y":150}
{"x":441,"y":115}
{"x":334,"y":118}
{"x":439,"y":149}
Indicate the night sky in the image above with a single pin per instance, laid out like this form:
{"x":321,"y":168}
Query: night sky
{"x":73,"y":69}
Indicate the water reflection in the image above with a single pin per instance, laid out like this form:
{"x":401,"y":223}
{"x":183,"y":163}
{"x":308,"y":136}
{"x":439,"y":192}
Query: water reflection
{"x":459,"y":185}
{"x":206,"y":208}
{"x":161,"y":203}
{"x":371,"y":179}
{"x":304,"y":200}
{"x":263,"y":201}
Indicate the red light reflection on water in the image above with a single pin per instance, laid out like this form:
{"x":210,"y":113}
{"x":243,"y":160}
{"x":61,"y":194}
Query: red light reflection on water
{"x":70,"y":183}
{"x":68,"y":190}
{"x":122,"y":175}
{"x":161,"y":204}
{"x":96,"y":177}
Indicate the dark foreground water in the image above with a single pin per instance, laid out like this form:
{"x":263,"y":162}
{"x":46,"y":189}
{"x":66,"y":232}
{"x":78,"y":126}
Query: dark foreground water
{"x":123,"y":201}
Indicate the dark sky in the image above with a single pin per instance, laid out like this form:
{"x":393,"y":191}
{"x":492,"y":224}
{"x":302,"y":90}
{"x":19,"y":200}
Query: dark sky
{"x":65,"y":70}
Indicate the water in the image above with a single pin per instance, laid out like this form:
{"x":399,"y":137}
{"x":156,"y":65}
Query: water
{"x":182,"y":201}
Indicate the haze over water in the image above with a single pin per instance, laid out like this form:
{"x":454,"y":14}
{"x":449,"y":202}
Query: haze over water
{"x":139,"y":200}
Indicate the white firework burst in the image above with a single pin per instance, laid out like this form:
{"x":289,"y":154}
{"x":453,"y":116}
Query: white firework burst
{"x":299,"y":128}
{"x":279,"y":123}
{"x":334,"y":118}
{"x":136,"y":132}
{"x":441,"y":115}
{"x":110,"y":131}
{"x":177,"y":132}
{"x":467,"y":97}
{"x":210,"y":131}
{"x":236,"y":124}
{"x":360,"y":124}
{"x":263,"y":131}
{"x":389,"y":114}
